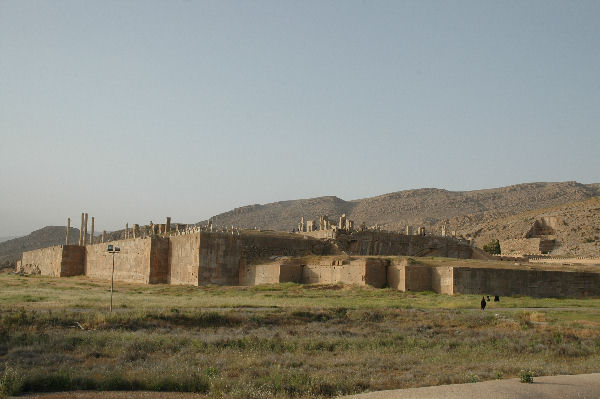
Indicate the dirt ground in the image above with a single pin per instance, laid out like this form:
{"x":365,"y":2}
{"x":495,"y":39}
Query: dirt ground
{"x":583,"y":386}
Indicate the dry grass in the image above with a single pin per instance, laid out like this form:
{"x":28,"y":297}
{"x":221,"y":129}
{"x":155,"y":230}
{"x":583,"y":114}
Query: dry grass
{"x":306,"y":346}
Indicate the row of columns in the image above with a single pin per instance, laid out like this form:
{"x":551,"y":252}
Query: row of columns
{"x":83,"y":228}
{"x":83,"y":235}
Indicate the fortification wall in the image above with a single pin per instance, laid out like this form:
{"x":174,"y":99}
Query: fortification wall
{"x":57,"y":261}
{"x":535,"y":283}
{"x":143,"y":260}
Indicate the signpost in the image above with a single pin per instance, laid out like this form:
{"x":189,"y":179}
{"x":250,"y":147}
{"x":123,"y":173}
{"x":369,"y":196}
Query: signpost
{"x":112,"y":250}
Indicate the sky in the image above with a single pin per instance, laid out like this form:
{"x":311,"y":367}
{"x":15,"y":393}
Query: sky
{"x":137,"y":110}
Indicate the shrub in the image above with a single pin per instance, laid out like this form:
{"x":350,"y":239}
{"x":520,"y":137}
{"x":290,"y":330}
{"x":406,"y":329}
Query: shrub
{"x":526,"y":376}
{"x":492,"y":247}
{"x":11,"y":382}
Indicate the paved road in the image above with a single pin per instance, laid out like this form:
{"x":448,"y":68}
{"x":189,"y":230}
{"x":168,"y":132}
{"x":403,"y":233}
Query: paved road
{"x":582,"y":386}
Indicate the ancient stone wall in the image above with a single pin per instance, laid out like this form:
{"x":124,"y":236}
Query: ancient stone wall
{"x":142,"y":260}
{"x":328,"y":271}
{"x":526,"y":246}
{"x":264,"y":245}
{"x":374,"y":242}
{"x":73,"y":258}
{"x":184,"y":259}
{"x":442,"y":280}
{"x":220,"y":259}
{"x":271,"y":273}
{"x":57,"y":261}
{"x":535,"y":283}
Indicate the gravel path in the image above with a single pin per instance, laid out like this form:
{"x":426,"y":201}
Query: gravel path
{"x":582,"y":386}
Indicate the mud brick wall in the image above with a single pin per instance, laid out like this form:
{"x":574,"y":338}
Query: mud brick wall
{"x":535,"y":283}
{"x":57,"y":261}
{"x":142,"y":260}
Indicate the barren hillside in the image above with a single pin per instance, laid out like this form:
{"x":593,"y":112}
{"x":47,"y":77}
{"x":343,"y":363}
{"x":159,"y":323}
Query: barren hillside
{"x":423,"y":207}
{"x":468,"y":212}
{"x":577,"y":234}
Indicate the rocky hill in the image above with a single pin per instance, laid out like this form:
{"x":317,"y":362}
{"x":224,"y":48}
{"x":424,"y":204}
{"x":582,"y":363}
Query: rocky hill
{"x":428,"y":207}
{"x":577,"y":227}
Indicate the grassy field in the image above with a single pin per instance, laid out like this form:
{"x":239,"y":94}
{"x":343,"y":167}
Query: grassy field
{"x":278,"y":341}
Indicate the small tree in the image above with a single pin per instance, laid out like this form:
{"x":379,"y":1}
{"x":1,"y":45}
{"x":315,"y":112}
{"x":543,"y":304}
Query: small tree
{"x":492,"y":247}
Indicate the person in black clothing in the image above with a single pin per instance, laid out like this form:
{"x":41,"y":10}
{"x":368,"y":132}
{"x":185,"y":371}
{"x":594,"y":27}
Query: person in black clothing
{"x":488,"y":298}
{"x":483,"y":303}
{"x":496,"y":298}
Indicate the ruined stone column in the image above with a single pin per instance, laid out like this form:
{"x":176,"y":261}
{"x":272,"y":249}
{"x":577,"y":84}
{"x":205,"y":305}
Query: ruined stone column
{"x":126,"y":230}
{"x":85,"y":224}
{"x":136,"y":230}
{"x":80,"y":242}
{"x":68,"y":228}
{"x":168,"y":224}
{"x":409,"y":230}
{"x":342,"y":224}
{"x":103,"y":236}
{"x":92,"y":235}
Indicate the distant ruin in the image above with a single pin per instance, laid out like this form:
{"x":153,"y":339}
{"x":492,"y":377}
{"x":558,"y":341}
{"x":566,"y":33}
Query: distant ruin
{"x":196,"y":255}
{"x":540,"y":239}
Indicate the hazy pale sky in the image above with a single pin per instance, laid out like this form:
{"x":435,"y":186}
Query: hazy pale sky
{"x":137,"y":110}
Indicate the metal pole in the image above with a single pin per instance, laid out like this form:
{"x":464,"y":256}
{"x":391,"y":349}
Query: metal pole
{"x":112,"y":280}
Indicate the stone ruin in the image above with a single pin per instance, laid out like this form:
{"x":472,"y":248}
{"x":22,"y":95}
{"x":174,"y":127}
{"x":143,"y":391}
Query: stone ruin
{"x":540,"y":239}
{"x":196,"y":255}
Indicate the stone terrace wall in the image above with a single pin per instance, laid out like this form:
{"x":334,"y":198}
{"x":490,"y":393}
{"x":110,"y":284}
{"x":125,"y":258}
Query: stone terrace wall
{"x":184,"y":259}
{"x":57,"y":261}
{"x":442,"y":280}
{"x":265,"y":245}
{"x":535,"y":283}
{"x":142,"y":260}
{"x":73,"y":259}
{"x":271,"y":273}
{"x":220,"y":259}
{"x":385,"y":243}
{"x":373,"y":243}
{"x":526,"y":246}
